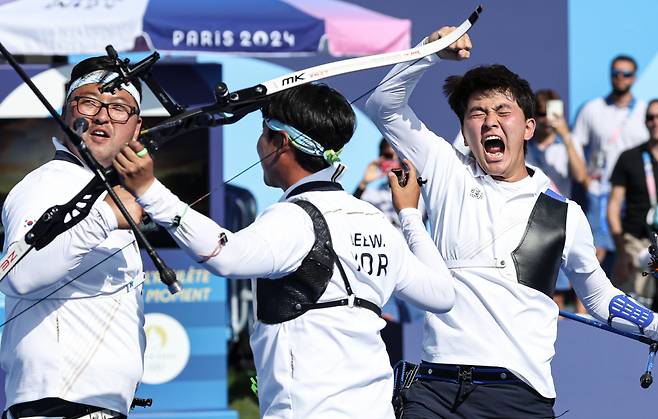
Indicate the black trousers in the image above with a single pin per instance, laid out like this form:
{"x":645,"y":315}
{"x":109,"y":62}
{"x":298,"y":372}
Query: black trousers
{"x":446,"y":400}
{"x":392,"y":337}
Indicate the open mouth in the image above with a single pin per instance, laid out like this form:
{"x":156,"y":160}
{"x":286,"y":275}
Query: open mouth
{"x":494,"y":147}
{"x":99,"y":133}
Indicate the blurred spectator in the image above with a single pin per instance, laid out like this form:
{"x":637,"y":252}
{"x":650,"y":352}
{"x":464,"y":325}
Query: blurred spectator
{"x":552,"y":151}
{"x":605,"y":127}
{"x":551,"y":148}
{"x":634,"y":187}
{"x":380,"y":195}
{"x":396,"y":312}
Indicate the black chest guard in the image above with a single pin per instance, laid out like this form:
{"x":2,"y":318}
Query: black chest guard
{"x":283,"y":299}
{"x":537,"y":258}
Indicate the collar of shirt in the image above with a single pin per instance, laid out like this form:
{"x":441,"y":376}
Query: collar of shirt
{"x":609,"y":100}
{"x":330,"y":174}
{"x":536,"y":182}
{"x":539,"y":178}
{"x":61,"y":147}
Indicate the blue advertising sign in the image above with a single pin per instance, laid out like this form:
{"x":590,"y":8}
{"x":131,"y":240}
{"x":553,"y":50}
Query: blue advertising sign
{"x":273,"y":27}
{"x":185,"y":365}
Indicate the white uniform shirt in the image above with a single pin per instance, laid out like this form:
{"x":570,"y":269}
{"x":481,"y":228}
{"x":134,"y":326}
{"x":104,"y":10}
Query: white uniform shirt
{"x":607,"y":130}
{"x":331,"y":362}
{"x":71,"y":346}
{"x":380,"y":196}
{"x":553,"y":160}
{"x":476,"y":223}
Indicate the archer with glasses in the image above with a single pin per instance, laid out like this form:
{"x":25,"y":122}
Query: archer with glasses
{"x":605,"y":127}
{"x":74,"y":341}
{"x":118,"y":112}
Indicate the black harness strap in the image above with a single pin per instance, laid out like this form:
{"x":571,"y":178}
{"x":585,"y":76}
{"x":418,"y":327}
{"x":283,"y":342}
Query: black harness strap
{"x":318,"y":185}
{"x":352,"y":300}
{"x":64,"y":156}
{"x":291,"y":296}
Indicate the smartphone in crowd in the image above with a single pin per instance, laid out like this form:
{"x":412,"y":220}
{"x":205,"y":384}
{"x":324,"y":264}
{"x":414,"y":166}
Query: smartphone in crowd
{"x":386,"y":165}
{"x":554,"y":109}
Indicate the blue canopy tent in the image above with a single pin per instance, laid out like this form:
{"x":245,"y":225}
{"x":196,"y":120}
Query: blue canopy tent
{"x":212,"y":26}
{"x":284,"y":27}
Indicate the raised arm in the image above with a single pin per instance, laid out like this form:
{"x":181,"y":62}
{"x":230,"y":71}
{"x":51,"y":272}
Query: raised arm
{"x":432,"y":287}
{"x":577,"y":167}
{"x":389,"y":106}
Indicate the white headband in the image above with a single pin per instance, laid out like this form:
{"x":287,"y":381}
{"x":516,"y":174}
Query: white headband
{"x":103,"y":76}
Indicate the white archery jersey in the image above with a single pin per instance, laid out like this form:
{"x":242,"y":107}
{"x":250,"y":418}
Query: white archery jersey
{"x":329,"y":362}
{"x":477,"y":222}
{"x":84,"y":343}
{"x":605,"y":131}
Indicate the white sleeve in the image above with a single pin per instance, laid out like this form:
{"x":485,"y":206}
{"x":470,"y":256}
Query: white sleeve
{"x":435,"y":158}
{"x":427,"y":282}
{"x":590,"y":282}
{"x":272,"y":246}
{"x":47,"y":266}
{"x":389,"y":109}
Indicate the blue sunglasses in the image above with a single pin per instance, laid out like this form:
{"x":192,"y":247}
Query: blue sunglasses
{"x":625,"y":74}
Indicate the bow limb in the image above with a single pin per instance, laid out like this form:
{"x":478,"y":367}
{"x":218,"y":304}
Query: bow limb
{"x":231,"y":107}
{"x":372,"y":61}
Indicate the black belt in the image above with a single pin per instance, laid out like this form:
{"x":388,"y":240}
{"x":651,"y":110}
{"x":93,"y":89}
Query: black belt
{"x":467,"y":373}
{"x":357,"y":302}
{"x":53,"y":407}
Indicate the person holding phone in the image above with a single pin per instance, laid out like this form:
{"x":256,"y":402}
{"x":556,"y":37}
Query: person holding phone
{"x":378,"y":168}
{"x":551,"y":148}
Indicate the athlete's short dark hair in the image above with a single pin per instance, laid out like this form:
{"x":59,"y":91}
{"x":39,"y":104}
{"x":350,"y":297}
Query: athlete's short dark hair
{"x":318,"y":111}
{"x":493,"y":78}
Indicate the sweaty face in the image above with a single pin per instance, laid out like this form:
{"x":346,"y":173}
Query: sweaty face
{"x":495,"y":130}
{"x":104,"y":138}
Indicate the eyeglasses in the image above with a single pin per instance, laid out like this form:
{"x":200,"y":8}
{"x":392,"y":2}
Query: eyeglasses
{"x":650,"y":117}
{"x":118,"y":112}
{"x":624,"y":74}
